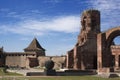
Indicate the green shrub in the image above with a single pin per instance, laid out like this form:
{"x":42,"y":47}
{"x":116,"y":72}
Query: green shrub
{"x":49,"y":64}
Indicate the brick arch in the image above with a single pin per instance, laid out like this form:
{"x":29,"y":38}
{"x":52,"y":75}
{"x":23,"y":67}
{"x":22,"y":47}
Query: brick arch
{"x":105,"y":57}
{"x":111,"y":34}
{"x":110,"y":31}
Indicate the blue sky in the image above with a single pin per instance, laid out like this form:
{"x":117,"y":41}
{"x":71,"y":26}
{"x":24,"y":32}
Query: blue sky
{"x":55,"y":23}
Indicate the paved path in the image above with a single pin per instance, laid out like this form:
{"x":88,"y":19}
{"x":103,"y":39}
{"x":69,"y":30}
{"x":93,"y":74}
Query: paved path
{"x":24,"y":71}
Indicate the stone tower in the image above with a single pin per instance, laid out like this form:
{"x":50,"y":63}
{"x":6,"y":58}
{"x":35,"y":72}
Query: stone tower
{"x":84,"y":55}
{"x":36,"y":48}
{"x":90,"y":22}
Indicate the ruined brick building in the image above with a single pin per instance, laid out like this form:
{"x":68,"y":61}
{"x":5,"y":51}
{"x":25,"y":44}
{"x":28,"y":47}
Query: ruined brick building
{"x":94,"y":49}
{"x":33,"y":56}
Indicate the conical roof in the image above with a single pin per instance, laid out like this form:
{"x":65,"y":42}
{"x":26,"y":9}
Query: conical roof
{"x":34,"y":45}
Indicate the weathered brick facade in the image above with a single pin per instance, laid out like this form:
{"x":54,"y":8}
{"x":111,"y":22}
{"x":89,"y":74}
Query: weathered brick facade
{"x":108,"y":53}
{"x":94,"y":49}
{"x":85,"y":51}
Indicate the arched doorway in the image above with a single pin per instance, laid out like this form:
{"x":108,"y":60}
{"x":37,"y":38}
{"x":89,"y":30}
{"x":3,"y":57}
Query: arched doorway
{"x":111,"y":35}
{"x":107,"y":52}
{"x":112,"y":48}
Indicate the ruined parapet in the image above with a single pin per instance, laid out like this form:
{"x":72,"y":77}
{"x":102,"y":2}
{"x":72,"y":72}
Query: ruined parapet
{"x":90,"y":22}
{"x":85,"y":51}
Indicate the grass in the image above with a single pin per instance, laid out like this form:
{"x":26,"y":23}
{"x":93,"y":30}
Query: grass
{"x":15,"y":76}
{"x":60,"y":78}
{"x":5,"y":73}
{"x":71,"y":78}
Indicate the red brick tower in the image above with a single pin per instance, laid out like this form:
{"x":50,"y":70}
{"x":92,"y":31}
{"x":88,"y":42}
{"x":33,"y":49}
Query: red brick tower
{"x":84,"y":55}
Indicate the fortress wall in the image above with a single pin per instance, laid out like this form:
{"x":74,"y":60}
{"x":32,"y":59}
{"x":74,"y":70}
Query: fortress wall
{"x":58,"y":60}
{"x":13,"y":60}
{"x":23,"y":61}
{"x":18,"y":60}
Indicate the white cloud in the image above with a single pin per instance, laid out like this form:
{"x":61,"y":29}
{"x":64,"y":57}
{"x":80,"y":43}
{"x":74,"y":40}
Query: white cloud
{"x":110,"y":11}
{"x":66,"y":24}
{"x":16,"y":15}
{"x":105,"y":4}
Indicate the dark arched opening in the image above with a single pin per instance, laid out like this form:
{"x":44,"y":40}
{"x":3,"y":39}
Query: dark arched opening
{"x":112,"y":46}
{"x":111,"y":38}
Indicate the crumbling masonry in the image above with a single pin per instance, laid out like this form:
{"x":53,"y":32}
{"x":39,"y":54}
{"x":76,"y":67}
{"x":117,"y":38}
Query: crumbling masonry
{"x":94,"y":49}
